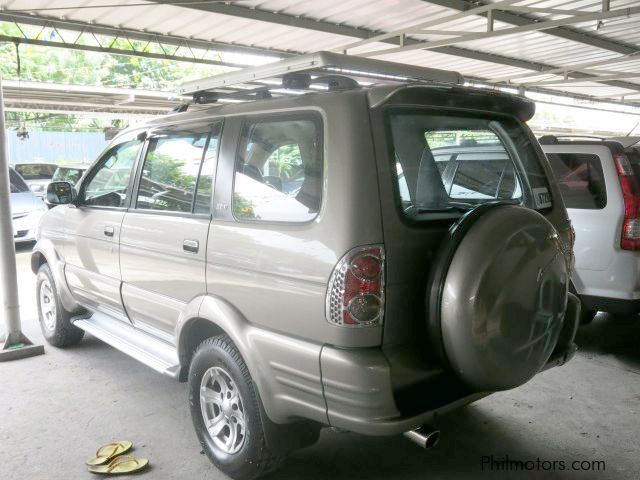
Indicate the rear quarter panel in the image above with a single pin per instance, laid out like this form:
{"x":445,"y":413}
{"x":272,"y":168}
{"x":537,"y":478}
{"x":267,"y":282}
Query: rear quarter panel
{"x":276,"y":274}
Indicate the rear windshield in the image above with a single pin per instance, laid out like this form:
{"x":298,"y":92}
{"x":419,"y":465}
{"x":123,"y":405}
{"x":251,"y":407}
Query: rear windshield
{"x":17,"y":183}
{"x":452,"y":162}
{"x":65,"y":174}
{"x":580,"y":179}
{"x":36,"y":171}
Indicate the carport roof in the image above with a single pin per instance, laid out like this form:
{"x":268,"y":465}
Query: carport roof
{"x":589,"y":51}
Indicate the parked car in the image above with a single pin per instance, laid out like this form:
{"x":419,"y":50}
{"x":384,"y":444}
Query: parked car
{"x":37,"y":175}
{"x":26,"y":209}
{"x":322,"y":295}
{"x":598,"y":180}
{"x":69,"y":173}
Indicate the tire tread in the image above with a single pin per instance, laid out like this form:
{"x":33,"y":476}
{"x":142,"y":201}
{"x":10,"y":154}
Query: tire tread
{"x":266,"y":460}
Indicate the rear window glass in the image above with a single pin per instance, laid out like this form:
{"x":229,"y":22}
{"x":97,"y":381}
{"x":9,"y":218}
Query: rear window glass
{"x":580,"y":179}
{"x":36,"y":171}
{"x":278,"y":170}
{"x":455,"y":161}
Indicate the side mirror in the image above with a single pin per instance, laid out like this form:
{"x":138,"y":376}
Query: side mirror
{"x":60,"y":193}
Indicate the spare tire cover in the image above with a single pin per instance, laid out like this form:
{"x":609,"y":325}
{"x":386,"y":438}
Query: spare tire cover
{"x":498,"y":296}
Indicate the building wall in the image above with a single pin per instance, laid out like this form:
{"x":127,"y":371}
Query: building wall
{"x":55,"y":147}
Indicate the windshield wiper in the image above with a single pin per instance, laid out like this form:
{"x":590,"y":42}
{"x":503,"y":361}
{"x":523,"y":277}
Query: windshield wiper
{"x":449,"y":207}
{"x":456,"y":206}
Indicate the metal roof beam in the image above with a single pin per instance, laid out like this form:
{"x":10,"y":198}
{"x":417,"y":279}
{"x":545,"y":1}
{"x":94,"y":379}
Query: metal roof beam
{"x":116,"y":51}
{"x":363,"y":33}
{"x":158,"y":37}
{"x":531,"y":27}
{"x":513,"y":18}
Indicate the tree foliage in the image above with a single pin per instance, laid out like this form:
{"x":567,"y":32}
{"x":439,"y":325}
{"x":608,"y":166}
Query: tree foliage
{"x":61,"y":65}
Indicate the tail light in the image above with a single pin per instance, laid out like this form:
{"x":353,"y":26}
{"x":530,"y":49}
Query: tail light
{"x":355,"y":296}
{"x":630,"y":235}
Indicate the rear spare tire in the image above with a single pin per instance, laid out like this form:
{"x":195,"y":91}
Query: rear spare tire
{"x":497,"y":296}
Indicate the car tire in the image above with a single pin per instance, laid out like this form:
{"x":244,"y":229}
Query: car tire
{"x":222,"y":396}
{"x":586,"y":316}
{"x":54,"y":319}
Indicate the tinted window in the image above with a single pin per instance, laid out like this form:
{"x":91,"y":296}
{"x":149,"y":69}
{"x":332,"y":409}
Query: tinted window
{"x":170,"y":172}
{"x":17,"y":183}
{"x":204,"y":189}
{"x":278,"y":172}
{"x":580,"y":179}
{"x":448,"y":161}
{"x":36,"y":171}
{"x":108,"y":184}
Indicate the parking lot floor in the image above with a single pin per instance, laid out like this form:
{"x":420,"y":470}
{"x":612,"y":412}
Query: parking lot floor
{"x":56,"y":409}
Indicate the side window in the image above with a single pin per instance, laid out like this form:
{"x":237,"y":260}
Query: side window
{"x":108,"y":185}
{"x":278,"y":170}
{"x":580,"y":179}
{"x":204,"y":189}
{"x":170,"y":172}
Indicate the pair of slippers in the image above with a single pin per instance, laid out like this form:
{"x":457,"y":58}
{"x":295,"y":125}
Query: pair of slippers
{"x":109,"y":460}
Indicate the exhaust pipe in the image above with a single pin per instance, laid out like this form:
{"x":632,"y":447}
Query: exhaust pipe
{"x":426,"y":436}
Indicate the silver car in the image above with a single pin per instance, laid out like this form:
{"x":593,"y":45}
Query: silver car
{"x":36,"y":175}
{"x":309,"y":261}
{"x":26,"y":209}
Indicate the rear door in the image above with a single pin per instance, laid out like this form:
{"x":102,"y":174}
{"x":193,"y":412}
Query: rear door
{"x":164,"y":234}
{"x":92,"y":228}
{"x":590,"y":189}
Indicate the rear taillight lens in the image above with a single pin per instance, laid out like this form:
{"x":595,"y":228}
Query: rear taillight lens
{"x":630,"y":237}
{"x":355,"y":297}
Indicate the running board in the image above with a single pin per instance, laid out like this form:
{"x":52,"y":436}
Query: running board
{"x":154,"y":353}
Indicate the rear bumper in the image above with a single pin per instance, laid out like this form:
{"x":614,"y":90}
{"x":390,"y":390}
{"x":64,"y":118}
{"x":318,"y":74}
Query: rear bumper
{"x":616,"y":306}
{"x":358,"y":388}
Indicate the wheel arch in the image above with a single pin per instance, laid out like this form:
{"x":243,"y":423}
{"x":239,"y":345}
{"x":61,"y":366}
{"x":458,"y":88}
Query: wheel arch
{"x":45,"y":251}
{"x":212,"y":317}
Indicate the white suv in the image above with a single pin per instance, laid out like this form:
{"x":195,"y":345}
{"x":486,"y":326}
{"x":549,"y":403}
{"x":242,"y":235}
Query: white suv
{"x":598,"y":180}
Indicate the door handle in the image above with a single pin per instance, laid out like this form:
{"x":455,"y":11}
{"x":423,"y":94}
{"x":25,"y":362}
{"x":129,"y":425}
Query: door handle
{"x":191,"y":246}
{"x":109,"y":231}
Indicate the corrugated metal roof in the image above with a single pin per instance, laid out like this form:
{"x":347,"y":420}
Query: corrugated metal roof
{"x":535,"y":47}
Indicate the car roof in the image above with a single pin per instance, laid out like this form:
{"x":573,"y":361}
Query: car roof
{"x":481,"y":99}
{"x":550,"y":140}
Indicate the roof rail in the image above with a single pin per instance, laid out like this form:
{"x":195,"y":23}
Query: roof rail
{"x":310,"y":73}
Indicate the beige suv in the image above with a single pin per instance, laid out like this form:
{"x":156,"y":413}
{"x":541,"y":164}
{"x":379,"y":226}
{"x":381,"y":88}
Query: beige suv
{"x":304,"y":261}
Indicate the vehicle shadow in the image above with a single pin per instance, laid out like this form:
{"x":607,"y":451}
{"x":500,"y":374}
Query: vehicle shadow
{"x":470,"y":435}
{"x":611,"y":335}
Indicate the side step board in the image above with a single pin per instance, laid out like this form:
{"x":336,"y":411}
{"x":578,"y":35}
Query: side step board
{"x":154,"y":353}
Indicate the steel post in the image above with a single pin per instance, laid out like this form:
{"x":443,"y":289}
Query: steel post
{"x":13,"y":344}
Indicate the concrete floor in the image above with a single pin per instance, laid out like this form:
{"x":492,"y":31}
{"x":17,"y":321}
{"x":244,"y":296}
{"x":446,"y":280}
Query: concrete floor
{"x":56,"y":409}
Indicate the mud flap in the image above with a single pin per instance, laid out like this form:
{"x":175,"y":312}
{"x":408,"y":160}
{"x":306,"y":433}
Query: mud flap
{"x":284,"y":438}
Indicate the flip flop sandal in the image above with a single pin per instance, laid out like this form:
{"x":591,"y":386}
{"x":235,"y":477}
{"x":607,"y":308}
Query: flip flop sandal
{"x":107,"y":452}
{"x":121,"y":465}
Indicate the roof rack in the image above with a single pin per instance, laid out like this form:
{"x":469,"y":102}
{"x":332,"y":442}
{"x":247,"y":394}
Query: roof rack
{"x":313,"y":72}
